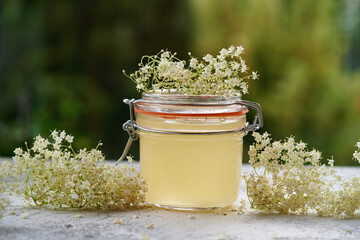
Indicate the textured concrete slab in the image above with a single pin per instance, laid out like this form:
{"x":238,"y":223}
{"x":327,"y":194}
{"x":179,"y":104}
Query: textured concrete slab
{"x":47,"y":223}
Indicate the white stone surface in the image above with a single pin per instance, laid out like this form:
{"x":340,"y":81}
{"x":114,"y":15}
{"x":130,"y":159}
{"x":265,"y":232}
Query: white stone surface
{"x":47,"y":223}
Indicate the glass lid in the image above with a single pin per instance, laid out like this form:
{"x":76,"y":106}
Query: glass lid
{"x":178,"y":104}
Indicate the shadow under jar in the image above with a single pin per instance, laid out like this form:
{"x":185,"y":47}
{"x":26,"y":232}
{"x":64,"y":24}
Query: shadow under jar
{"x":191,"y":147}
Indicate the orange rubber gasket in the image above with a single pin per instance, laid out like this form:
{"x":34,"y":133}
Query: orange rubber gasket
{"x":192,"y":114}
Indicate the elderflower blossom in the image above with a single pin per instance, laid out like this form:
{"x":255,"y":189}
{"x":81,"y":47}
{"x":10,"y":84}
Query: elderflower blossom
{"x":149,"y":226}
{"x":356,"y":154}
{"x":221,"y":75}
{"x":11,"y":212}
{"x":221,"y":236}
{"x":25,"y":215}
{"x":288,"y":178}
{"x":4,"y":173}
{"x":130,"y":159}
{"x":53,"y":173}
{"x":145,"y":237}
{"x":119,"y":221}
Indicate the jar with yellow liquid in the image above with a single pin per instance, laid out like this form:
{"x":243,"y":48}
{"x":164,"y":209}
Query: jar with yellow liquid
{"x":191,"y":147}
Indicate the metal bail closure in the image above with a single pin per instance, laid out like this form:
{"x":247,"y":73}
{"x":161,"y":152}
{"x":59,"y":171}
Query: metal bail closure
{"x":130,"y":126}
{"x":258,"y":119}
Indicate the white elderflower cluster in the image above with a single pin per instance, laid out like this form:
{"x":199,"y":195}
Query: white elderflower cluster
{"x":288,"y":178}
{"x":4,"y":174}
{"x":53,"y":173}
{"x":221,"y":75}
{"x":357,"y":153}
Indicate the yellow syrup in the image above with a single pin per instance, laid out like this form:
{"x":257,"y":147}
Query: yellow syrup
{"x":191,"y":171}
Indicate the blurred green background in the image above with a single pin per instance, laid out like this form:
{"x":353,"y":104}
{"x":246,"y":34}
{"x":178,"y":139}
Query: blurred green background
{"x":61,"y":64}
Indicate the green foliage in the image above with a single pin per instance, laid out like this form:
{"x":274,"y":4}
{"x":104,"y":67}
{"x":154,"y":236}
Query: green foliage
{"x":61,"y":64}
{"x":299,"y":49}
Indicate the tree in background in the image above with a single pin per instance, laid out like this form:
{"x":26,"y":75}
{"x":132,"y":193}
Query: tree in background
{"x":61,"y":64}
{"x":299,"y":48}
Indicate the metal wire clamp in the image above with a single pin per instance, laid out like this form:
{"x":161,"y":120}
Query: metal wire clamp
{"x":130,"y":126}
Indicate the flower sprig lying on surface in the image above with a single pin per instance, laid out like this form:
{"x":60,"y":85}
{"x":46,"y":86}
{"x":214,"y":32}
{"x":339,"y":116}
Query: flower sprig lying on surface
{"x":53,"y":173}
{"x":357,"y":153}
{"x":288,"y":178}
{"x":4,"y":173}
{"x":222,"y":75}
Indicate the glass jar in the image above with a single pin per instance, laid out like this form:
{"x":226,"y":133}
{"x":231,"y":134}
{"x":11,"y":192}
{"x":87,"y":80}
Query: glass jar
{"x":191,"y":147}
